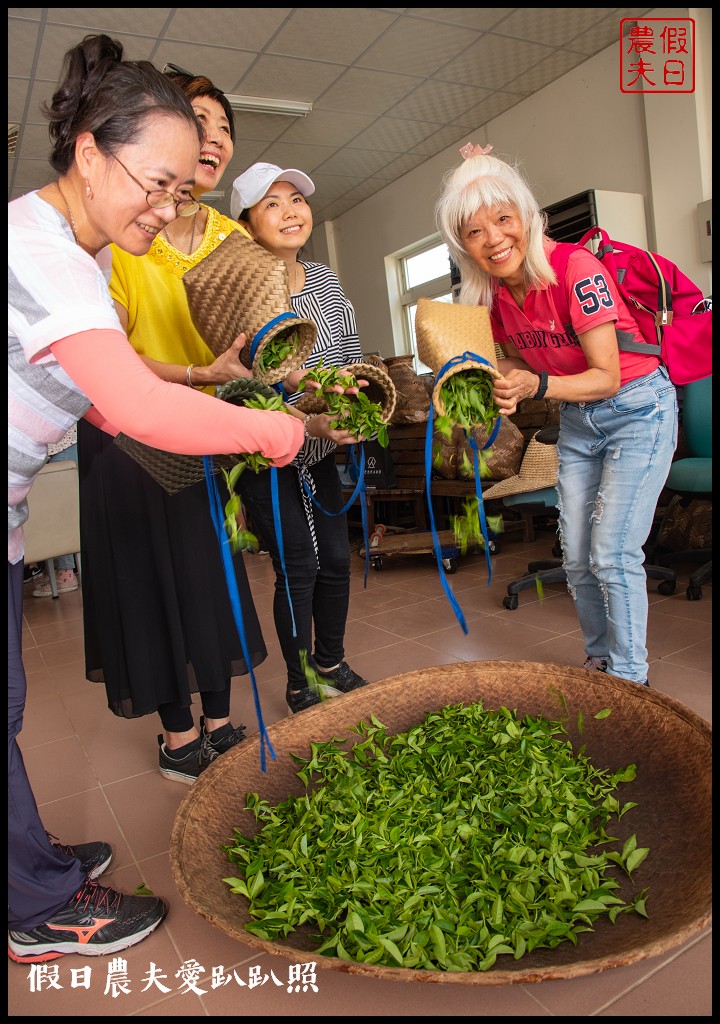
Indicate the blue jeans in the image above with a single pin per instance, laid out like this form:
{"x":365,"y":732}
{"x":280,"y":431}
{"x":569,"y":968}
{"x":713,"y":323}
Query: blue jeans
{"x":614,"y":456}
{"x":41,"y":879}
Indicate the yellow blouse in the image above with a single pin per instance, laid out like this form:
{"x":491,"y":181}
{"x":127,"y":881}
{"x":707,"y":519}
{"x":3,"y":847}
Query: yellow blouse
{"x":151,"y":290}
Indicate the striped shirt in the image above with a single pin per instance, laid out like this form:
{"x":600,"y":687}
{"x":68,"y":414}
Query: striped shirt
{"x":55,"y":289}
{"x":323,"y":301}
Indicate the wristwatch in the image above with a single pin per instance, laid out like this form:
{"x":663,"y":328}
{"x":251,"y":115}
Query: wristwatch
{"x":540,"y":393}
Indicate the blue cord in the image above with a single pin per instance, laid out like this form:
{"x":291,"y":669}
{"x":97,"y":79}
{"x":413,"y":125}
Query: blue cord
{"x":360,"y":489}
{"x":279,"y":535}
{"x":264,"y":330}
{"x":218,"y":522}
{"x":465,"y":357}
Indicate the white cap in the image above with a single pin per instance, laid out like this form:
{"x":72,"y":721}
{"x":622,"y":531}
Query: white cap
{"x":252,"y":184}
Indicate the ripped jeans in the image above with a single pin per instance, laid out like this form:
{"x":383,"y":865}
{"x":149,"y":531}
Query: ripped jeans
{"x":615,"y":456}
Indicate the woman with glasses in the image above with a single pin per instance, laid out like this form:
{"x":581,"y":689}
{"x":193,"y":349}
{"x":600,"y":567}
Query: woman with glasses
{"x":67,"y":351}
{"x":158,"y":621}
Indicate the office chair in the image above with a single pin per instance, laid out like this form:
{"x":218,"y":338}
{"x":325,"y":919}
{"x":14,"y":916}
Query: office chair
{"x":691,"y":477}
{"x":53,"y":524}
{"x":551,"y":570}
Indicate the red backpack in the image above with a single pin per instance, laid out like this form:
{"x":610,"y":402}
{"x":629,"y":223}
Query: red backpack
{"x":674,"y":318}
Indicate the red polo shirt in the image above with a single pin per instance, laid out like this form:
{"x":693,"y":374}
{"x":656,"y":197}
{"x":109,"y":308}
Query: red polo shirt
{"x":536,"y":331}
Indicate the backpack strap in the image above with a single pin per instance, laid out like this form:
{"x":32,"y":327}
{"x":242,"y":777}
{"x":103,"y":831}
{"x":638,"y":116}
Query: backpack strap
{"x":559,"y":259}
{"x":662,"y":314}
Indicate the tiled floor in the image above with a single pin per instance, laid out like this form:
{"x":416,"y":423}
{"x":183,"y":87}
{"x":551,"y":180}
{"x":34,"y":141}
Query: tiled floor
{"x":95,"y":776}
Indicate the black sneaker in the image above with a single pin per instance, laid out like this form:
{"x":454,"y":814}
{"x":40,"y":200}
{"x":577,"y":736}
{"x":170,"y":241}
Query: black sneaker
{"x":224,"y":738}
{"x":595,"y":664}
{"x":343,"y":678}
{"x":301,"y":700}
{"x":96,"y":921}
{"x":94,"y":857}
{"x":186,"y":769}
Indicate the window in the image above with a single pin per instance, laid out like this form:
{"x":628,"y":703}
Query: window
{"x":420,"y":271}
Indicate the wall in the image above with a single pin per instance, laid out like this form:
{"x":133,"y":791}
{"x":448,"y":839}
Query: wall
{"x":579,"y":132}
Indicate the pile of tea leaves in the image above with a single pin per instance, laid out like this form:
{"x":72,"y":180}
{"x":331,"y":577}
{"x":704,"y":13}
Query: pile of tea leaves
{"x":471,"y":836}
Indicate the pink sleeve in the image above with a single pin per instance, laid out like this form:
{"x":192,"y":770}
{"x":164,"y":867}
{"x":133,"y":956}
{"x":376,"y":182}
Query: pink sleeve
{"x":132,"y":399}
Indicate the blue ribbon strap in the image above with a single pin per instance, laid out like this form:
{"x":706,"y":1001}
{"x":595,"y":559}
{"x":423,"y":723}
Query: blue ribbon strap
{"x":268,"y":327}
{"x":465,"y":357}
{"x":360,"y":489}
{"x":217,"y":517}
{"x":279,"y":536}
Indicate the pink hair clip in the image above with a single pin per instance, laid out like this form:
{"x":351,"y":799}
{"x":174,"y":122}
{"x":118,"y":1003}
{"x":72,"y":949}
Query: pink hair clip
{"x":470,"y":150}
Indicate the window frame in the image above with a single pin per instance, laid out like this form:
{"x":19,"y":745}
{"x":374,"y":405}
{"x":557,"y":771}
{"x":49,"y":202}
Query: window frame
{"x":403,"y":296}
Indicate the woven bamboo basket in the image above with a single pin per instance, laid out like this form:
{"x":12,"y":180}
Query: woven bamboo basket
{"x":380,"y":389}
{"x":174,"y":472}
{"x":242,"y":288}
{"x":670,"y":745}
{"x":445,"y":330}
{"x":413,"y":400}
{"x":538,"y":470}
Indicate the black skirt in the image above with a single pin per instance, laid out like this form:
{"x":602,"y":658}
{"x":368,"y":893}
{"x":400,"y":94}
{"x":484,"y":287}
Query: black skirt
{"x":157,"y":616}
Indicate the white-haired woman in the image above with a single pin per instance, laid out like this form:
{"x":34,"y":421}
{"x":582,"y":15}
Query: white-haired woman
{"x":618,"y":418}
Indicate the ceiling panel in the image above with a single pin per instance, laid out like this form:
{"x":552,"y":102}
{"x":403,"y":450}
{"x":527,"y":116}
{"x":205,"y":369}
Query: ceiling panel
{"x":391,"y":86}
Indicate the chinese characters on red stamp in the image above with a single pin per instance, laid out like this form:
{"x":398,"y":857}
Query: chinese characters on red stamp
{"x":657,"y":55}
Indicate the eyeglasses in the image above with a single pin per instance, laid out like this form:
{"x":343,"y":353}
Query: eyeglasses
{"x":173,"y":69}
{"x":159,"y":199}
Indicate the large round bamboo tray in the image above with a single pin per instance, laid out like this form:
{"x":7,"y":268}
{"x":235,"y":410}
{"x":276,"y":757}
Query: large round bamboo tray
{"x":670,"y":745}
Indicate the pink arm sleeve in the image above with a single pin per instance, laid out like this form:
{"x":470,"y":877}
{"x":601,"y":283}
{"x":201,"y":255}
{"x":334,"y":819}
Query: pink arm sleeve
{"x":132,"y":399}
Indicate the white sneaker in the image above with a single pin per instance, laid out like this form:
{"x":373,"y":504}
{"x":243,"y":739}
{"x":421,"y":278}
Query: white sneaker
{"x":65,"y":579}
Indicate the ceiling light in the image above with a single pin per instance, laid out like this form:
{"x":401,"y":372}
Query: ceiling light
{"x":210,"y":196}
{"x":264,"y":105}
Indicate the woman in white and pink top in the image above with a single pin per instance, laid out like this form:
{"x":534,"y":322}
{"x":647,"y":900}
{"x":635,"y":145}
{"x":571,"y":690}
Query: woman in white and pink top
{"x":125,"y":148}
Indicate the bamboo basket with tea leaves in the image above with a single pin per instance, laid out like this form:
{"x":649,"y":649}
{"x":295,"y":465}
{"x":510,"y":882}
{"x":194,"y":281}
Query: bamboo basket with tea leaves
{"x":456,"y":342}
{"x":174,"y":471}
{"x":242,"y":288}
{"x":366,"y":414}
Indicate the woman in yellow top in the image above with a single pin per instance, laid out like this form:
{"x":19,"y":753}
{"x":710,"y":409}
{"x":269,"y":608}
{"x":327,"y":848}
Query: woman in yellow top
{"x":157,"y":615}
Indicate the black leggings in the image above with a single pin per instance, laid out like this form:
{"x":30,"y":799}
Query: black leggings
{"x":215,"y":704}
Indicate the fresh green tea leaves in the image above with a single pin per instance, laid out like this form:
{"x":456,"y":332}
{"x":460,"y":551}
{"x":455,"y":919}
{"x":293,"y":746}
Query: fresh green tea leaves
{"x":467,"y":397}
{"x":278,"y":349}
{"x":471,"y":836}
{"x":354,"y":413}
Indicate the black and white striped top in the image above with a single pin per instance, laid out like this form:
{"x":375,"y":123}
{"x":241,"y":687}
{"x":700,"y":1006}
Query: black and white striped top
{"x":323,"y":301}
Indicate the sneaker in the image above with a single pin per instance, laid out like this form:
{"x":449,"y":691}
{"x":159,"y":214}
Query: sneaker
{"x":222,"y":739}
{"x":343,"y":678}
{"x":301,"y":700}
{"x":34,"y":574}
{"x":186,"y":769}
{"x":595,"y":664}
{"x":95,"y":922}
{"x":94,"y":857}
{"x":65,"y":579}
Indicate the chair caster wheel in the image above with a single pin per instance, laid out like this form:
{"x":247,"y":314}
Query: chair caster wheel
{"x":450,"y":565}
{"x":666,"y":588}
{"x":511,"y":602}
{"x":694,"y":593}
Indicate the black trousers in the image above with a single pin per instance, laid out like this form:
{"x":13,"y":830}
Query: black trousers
{"x":319,"y":583}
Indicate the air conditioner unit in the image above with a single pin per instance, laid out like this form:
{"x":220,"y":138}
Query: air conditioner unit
{"x":621,"y":214}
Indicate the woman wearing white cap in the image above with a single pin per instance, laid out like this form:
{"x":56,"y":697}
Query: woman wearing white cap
{"x":271,"y":202}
